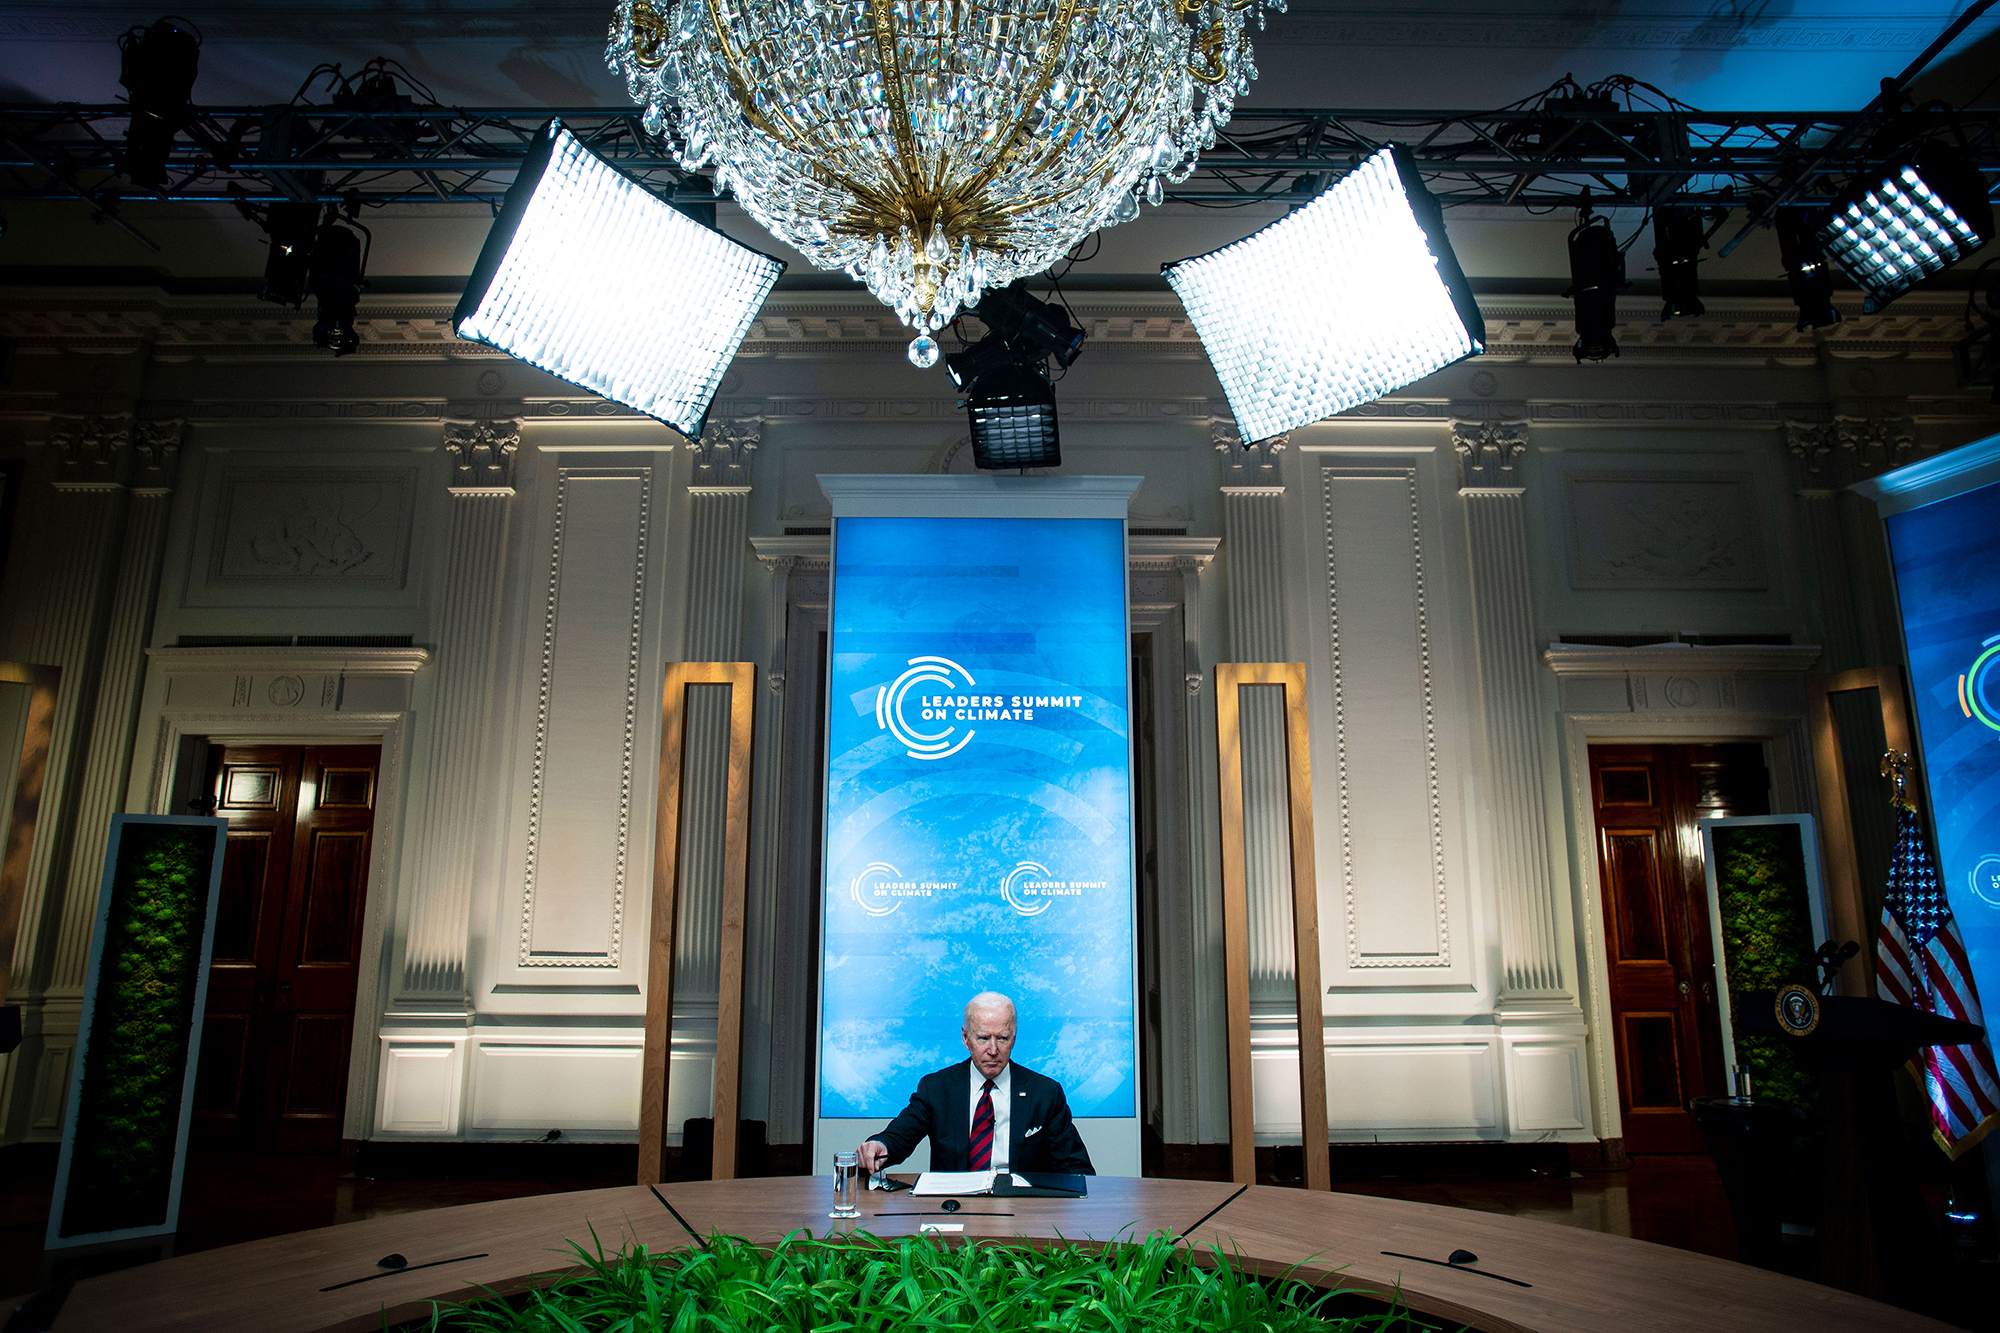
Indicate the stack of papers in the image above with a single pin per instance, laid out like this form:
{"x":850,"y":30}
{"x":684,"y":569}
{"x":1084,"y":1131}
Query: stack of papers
{"x":961,"y":1182}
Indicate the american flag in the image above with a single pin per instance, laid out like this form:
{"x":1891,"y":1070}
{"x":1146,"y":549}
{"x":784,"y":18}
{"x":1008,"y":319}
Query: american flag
{"x":1920,"y":961}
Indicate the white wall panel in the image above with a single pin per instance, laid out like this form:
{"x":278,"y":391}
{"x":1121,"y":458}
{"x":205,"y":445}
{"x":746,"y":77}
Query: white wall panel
{"x":580,"y":853}
{"x":1441,"y":1086}
{"x":1545,"y":1082}
{"x":1389,"y":1090}
{"x":1389,"y":719}
{"x":522,"y":1085}
{"x":419,"y":1088}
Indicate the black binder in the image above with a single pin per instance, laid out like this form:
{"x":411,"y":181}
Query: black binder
{"x":1041,"y":1185}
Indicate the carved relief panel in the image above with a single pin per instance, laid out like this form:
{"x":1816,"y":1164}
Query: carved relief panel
{"x":276,"y":535}
{"x":1651,"y":532}
{"x":1663,"y":530}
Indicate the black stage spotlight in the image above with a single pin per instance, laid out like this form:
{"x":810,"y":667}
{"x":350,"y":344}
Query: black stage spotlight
{"x":1679,"y":236}
{"x":1806,"y":269}
{"x":1021,"y":329}
{"x":1596,"y":276}
{"x":157,"y":66}
{"x":1032,"y":328}
{"x":339,"y":268}
{"x":1918,"y":214}
{"x":989,"y":353}
{"x":290,"y":229}
{"x":1014,"y":419}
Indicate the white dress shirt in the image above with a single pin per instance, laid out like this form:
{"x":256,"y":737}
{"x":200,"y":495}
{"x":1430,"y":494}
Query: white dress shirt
{"x":1003,"y":1097}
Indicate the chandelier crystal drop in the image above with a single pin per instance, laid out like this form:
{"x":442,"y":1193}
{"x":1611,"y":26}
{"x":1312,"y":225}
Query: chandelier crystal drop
{"x":937,"y":148}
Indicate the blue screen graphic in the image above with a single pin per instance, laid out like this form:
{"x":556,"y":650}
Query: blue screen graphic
{"x":978,"y":805}
{"x":1947,"y":559}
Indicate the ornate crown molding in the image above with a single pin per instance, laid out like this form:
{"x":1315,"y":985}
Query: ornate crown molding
{"x":1142,"y":324}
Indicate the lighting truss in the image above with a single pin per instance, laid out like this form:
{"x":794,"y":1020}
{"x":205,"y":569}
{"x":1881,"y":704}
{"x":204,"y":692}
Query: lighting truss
{"x":1532,"y":158}
{"x":593,"y":279}
{"x":1352,"y":296}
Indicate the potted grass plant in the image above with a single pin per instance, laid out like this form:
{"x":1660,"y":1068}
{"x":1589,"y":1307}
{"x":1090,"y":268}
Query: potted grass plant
{"x":867,"y":1284}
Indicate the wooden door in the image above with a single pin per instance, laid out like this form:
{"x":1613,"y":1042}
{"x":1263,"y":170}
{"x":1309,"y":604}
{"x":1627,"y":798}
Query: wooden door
{"x":279,"y":1025}
{"x":1665,"y":1030}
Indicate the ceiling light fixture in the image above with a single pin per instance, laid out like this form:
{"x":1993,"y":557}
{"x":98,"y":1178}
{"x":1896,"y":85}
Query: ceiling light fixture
{"x":589,"y":276}
{"x":1596,"y":276}
{"x":1353,"y":295}
{"x":934,"y":151}
{"x":1921,"y":212}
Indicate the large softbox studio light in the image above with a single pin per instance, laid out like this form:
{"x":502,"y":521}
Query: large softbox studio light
{"x":1354,"y":295}
{"x":591,"y":277}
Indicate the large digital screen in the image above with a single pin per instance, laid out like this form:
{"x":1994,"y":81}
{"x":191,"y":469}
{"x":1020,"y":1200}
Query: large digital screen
{"x":1947,"y":561}
{"x":978,"y":805}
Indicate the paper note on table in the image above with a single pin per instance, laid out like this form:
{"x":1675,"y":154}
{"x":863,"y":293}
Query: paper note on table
{"x":954,"y":1182}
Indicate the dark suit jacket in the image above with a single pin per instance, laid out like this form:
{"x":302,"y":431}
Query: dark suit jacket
{"x":1040,"y":1134}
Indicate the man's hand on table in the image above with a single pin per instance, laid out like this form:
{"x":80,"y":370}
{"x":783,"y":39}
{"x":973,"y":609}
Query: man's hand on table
{"x":874,"y":1155}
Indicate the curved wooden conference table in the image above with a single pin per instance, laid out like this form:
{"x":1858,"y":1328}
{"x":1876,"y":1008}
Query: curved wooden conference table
{"x":1569,"y":1279}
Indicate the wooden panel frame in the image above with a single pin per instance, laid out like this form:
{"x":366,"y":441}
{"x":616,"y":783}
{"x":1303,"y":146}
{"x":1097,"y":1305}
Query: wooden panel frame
{"x":1230,"y":678}
{"x":1841,"y":866}
{"x":37,"y":735}
{"x":741,"y":677}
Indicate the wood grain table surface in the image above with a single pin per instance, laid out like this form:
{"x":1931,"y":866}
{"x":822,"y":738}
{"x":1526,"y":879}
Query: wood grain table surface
{"x":1576,"y":1280}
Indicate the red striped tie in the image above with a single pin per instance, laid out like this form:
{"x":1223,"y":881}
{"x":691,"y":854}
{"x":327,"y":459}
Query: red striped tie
{"x":982,"y":1130}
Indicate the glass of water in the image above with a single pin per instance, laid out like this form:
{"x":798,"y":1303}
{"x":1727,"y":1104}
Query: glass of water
{"x":846,"y":1179}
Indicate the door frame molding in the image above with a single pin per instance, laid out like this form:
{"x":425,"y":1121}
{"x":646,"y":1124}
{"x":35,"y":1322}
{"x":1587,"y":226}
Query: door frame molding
{"x":1763,"y":701}
{"x":301,"y":725}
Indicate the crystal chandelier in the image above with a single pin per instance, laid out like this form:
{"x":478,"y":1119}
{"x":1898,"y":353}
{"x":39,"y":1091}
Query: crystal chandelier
{"x":937,"y":148}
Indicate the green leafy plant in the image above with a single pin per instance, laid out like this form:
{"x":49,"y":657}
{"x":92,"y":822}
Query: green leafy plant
{"x":1767,"y":940}
{"x":135,"y":1066}
{"x":869,"y":1284}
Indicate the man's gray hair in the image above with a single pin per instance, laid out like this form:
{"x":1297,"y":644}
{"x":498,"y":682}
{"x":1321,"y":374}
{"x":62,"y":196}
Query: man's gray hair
{"x":989,"y":1002}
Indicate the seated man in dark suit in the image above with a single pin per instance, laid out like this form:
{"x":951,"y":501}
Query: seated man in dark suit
{"x":986,"y":1113}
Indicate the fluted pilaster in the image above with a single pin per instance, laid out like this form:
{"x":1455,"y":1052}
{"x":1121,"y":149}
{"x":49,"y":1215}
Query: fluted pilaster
{"x":1503,"y":611}
{"x":457,"y":793}
{"x":114,"y":716}
{"x":718,"y":544}
{"x":60,"y":604}
{"x":1253,"y":551}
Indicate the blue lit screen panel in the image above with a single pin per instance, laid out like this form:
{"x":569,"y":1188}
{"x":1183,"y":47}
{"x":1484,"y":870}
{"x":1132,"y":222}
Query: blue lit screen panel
{"x":978,"y":805}
{"x":1947,"y":561}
